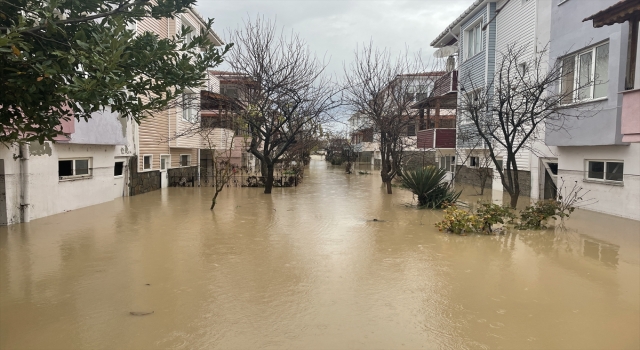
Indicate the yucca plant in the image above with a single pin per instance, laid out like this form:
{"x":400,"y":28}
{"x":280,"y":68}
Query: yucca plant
{"x":427,"y":184}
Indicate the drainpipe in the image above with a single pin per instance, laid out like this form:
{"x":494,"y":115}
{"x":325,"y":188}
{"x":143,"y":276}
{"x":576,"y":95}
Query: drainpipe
{"x":24,"y":182}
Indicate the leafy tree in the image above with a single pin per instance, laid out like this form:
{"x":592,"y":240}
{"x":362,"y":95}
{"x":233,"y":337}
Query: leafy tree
{"x":65,"y":59}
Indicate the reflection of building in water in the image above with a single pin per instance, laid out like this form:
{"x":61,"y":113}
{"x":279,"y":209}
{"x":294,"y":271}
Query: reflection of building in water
{"x":601,"y":251}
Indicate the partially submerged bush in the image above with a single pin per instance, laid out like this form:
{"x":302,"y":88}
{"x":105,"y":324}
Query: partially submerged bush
{"x":491,"y":214}
{"x":535,"y":217}
{"x":461,"y":221}
{"x":427,"y":184}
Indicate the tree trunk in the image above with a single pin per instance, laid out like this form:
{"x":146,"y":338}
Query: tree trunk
{"x":213,"y":200}
{"x":388,"y":183}
{"x":268,"y":183}
{"x":514,"y":199}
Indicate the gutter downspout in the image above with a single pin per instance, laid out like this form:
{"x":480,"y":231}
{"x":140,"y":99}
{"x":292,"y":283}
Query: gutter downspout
{"x":24,"y":183}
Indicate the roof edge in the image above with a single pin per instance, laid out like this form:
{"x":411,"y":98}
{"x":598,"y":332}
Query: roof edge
{"x":457,"y":21}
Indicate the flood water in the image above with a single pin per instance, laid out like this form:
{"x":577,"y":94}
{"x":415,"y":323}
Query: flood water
{"x":308,"y":268}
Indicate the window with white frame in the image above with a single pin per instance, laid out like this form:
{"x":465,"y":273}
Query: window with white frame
{"x":448,"y":163}
{"x":185,"y":159}
{"x":474,"y":162}
{"x":147,"y":162}
{"x":165,"y":161}
{"x":585,"y":75}
{"x":604,"y":170}
{"x":72,"y":168}
{"x":473,"y":40}
{"x":189,"y":102}
{"x":118,"y":169}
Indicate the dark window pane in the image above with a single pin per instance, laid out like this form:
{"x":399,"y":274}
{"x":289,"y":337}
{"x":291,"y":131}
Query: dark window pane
{"x":65,"y":168}
{"x":147,"y":162}
{"x":554,"y":168}
{"x":82,"y":167}
{"x":567,"y":79}
{"x":117,"y":169}
{"x":596,"y":170}
{"x":615,"y":171}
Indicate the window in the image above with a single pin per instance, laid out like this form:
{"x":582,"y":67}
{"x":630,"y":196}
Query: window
{"x":118,"y":169}
{"x":68,"y":168}
{"x":448,"y":163}
{"x":165,"y":161}
{"x":603,"y":170}
{"x":189,"y":101}
{"x":185,"y":159}
{"x":147,"y":162}
{"x":230,"y":92}
{"x":522,"y":68}
{"x":585,"y":75}
{"x":474,"y":162}
{"x":473,"y":38}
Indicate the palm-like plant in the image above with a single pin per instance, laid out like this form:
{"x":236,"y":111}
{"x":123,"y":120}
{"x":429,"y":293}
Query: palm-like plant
{"x":427,"y":184}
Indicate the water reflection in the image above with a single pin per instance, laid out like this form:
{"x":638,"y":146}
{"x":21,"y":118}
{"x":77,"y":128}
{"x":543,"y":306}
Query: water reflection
{"x":309,"y":268}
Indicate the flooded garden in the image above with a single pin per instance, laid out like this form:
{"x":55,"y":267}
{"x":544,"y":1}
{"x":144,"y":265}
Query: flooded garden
{"x":333,"y":263}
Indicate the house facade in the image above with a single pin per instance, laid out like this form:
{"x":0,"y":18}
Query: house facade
{"x":163,"y":141}
{"x":601,"y":151}
{"x":480,"y":35}
{"x":88,"y":166}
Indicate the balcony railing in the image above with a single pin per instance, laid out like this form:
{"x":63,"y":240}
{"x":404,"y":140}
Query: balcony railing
{"x":437,"y":138}
{"x":630,"y":126}
{"x":446,"y":84}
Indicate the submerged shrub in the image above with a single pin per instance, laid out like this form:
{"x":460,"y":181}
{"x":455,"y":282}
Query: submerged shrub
{"x":427,"y":184}
{"x":461,"y":221}
{"x":534,"y":217}
{"x":491,"y":214}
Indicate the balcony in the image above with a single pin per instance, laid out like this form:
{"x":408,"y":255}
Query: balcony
{"x":446,"y":84}
{"x":437,"y":138}
{"x":630,"y":123}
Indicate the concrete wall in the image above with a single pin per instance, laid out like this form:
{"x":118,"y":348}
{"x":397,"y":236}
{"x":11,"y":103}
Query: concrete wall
{"x":48,"y":194}
{"x":621,"y":200}
{"x":568,"y":35}
{"x":104,"y":128}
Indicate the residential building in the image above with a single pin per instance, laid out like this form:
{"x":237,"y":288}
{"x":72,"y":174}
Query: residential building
{"x":225,"y":130}
{"x":478,"y":37}
{"x":88,"y":166}
{"x":163,"y":141}
{"x":601,"y":152}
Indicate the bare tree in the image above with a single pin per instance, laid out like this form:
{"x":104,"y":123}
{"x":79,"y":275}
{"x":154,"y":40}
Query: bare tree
{"x":510,"y":110}
{"x":289,"y":92}
{"x":382,"y":89}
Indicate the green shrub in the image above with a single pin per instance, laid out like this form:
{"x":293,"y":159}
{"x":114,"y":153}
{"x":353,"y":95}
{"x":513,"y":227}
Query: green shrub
{"x":534,"y":217}
{"x":491,"y":214}
{"x":426,"y":183}
{"x":459,"y":221}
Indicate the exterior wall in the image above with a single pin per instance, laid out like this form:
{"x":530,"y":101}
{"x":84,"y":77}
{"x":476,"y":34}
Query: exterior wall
{"x":48,"y":194}
{"x":143,"y":182}
{"x":471,"y":176}
{"x":472,"y":71}
{"x":175,"y":156}
{"x":570,"y":34}
{"x":104,"y":128}
{"x":610,"y":199}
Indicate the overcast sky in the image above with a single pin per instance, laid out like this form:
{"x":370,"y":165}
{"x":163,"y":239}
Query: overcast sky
{"x":336,"y":27}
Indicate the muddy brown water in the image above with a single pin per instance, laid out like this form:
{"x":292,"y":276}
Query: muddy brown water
{"x":308,"y":268}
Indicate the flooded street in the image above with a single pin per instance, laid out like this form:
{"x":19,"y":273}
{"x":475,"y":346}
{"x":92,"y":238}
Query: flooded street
{"x":308,"y":268}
